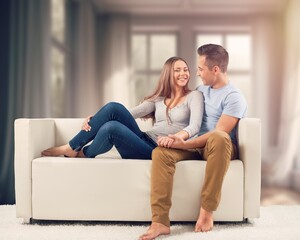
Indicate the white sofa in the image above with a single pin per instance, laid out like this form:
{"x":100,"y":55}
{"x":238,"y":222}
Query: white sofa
{"x":112,"y":189}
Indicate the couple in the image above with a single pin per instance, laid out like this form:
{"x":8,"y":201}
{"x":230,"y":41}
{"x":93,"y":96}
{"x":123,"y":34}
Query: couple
{"x":185,"y":128}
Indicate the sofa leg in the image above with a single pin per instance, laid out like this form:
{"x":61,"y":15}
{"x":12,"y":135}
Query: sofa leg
{"x":27,"y":220}
{"x":248,"y":220}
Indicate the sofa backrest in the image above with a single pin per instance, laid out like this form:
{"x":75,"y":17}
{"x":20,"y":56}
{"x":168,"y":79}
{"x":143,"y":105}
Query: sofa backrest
{"x":67,"y":128}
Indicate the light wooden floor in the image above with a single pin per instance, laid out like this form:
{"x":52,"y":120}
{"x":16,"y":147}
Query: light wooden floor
{"x":279,"y":196}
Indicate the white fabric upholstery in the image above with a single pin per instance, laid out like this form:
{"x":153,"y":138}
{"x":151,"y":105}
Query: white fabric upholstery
{"x":110,"y":188}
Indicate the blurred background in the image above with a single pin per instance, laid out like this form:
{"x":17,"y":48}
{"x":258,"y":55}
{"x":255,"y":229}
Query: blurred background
{"x":67,"y":58}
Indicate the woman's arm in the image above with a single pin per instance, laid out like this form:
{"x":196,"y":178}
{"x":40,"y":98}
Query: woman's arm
{"x":143,"y":109}
{"x":196,"y":106}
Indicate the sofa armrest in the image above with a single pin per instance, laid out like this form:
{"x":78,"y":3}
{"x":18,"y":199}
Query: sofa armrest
{"x":249,"y":137}
{"x":31,"y":137}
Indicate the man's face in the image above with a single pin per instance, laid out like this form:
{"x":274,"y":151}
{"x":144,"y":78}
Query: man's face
{"x":208,"y":77}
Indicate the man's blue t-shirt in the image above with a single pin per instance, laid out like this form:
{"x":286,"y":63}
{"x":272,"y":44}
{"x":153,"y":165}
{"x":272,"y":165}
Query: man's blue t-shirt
{"x":226,"y":100}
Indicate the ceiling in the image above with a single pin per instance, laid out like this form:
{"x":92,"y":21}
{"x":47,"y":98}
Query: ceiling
{"x":190,"y":7}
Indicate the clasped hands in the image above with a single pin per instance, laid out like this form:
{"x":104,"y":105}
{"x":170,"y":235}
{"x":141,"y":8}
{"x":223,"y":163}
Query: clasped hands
{"x":170,"y":141}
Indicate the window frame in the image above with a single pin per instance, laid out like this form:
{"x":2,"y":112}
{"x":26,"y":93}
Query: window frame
{"x":244,"y":30}
{"x":148,"y":72}
{"x":223,"y":35}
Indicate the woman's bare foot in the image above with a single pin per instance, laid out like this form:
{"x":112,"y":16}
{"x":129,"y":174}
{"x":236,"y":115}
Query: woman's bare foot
{"x":205,"y":221}
{"x":155,"y":230}
{"x":81,"y":154}
{"x":65,"y":150}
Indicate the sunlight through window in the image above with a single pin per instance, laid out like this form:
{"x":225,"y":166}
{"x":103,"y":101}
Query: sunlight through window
{"x":58,"y":57}
{"x":149,"y":51}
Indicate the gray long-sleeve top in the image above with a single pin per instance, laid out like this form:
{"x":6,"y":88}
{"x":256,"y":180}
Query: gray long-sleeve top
{"x":186,"y":116}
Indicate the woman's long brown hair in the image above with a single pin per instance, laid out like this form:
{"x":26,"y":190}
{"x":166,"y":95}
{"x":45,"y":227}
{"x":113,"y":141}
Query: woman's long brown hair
{"x":165,"y":87}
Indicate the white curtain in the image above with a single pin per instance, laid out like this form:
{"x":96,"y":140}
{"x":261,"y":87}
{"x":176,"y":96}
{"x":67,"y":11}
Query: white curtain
{"x":290,"y":109}
{"x":83,"y":90}
{"x":114,"y":39}
{"x":29,"y":87}
{"x":99,"y":60}
{"x":28,"y":83}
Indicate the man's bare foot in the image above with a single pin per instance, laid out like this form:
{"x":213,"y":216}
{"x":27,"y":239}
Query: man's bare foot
{"x":59,"y":151}
{"x":205,"y":221}
{"x":155,"y":230}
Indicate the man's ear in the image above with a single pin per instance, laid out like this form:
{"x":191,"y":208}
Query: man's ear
{"x":216,"y":69}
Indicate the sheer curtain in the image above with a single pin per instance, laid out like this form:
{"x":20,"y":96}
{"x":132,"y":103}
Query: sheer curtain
{"x":83,"y":91}
{"x":114,"y":59}
{"x":290,"y":109}
{"x":28,"y":83}
{"x":99,"y":59}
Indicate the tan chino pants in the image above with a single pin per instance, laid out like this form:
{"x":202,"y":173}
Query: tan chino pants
{"x":218,"y":152}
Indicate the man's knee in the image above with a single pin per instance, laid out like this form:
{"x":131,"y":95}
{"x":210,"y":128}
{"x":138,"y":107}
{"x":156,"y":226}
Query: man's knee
{"x":218,"y":144}
{"x":162,"y":155}
{"x":158,"y":153}
{"x":218,"y":137}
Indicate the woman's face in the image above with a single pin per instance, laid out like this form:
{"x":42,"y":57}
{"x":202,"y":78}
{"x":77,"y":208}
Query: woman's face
{"x":181,"y":73}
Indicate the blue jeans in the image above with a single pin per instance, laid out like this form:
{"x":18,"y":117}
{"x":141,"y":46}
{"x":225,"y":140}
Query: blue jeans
{"x":113,"y":125}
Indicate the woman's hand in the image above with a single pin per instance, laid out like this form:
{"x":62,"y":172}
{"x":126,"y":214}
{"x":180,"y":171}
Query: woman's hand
{"x":85,"y":126}
{"x":165,"y":141}
{"x":178,"y":142}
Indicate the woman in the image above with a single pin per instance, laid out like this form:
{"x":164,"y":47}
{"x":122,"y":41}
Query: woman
{"x":174,"y":108}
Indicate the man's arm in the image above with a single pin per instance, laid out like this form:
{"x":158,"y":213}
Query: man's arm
{"x":226,"y":123}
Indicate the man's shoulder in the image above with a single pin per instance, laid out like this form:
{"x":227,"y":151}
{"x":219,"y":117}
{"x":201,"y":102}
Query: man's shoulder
{"x":227,"y":92}
{"x":233,"y":89}
{"x":234,"y":93}
{"x":229,"y":88}
{"x":235,"y":103}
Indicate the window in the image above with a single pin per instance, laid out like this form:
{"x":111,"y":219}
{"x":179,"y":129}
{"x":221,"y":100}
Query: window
{"x":58,"y":56}
{"x":238,"y":45}
{"x":149,"y":51}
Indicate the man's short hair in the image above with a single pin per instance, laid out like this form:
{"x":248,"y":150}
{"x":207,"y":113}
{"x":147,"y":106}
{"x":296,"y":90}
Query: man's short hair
{"x":215,"y":55}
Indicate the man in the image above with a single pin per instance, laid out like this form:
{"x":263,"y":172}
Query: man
{"x":224,"y":105}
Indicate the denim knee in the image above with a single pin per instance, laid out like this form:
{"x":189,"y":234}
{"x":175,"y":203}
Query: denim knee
{"x":113,"y":106}
{"x":110,"y":128}
{"x":107,"y":131}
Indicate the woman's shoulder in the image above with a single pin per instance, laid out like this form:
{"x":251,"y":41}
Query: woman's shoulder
{"x":154,"y":100}
{"x":159,"y":99}
{"x":195,"y":97}
{"x":194,"y":94}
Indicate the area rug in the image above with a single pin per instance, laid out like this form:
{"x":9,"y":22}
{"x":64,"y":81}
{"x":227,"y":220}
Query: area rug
{"x":275,"y":223}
